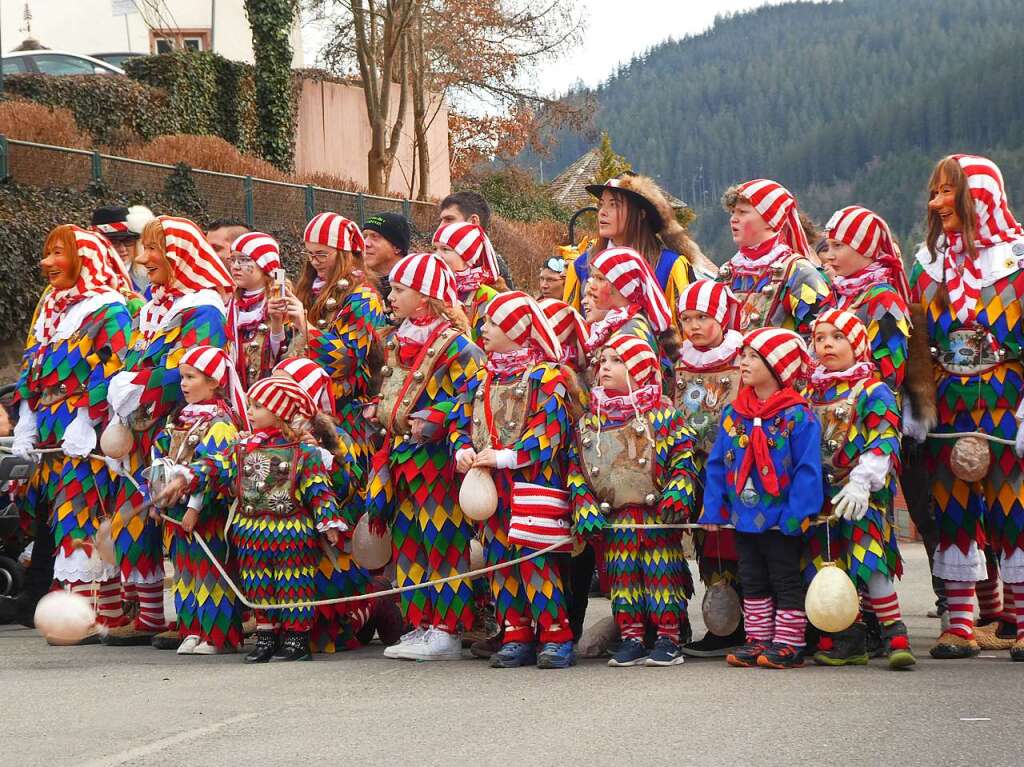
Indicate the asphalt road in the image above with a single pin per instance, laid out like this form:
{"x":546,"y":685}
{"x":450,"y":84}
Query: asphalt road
{"x":99,"y":707}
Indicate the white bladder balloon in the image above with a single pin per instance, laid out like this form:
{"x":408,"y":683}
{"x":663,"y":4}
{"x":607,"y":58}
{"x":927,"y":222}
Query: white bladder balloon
{"x":478,"y":497}
{"x":476,"y":554}
{"x":116,"y":440}
{"x":64,"y":618}
{"x":104,"y":543}
{"x":370,"y":550}
{"x":832,"y":603}
{"x":721,"y":609}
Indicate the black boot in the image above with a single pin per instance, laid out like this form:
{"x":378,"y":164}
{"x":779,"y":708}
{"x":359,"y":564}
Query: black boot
{"x":845,"y":648}
{"x":294,"y":647}
{"x":266,"y":645}
{"x":715,"y":646}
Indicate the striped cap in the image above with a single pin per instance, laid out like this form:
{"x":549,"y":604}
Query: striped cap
{"x":861,"y":229}
{"x":778,"y":208}
{"x":985,"y":181}
{"x":334,"y":231}
{"x":569,"y":326}
{"x":711,"y":298}
{"x":261,"y":248}
{"x":783,"y":350}
{"x":426,"y":273}
{"x":282,"y":397}
{"x":632,"y":276}
{"x":100,"y":266}
{"x":471,"y":243}
{"x":850,"y":326}
{"x":524,"y":322}
{"x":213,"y":363}
{"x":639,"y":358}
{"x":195,"y":264}
{"x":313,"y":379}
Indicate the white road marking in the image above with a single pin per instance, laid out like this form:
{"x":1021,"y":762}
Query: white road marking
{"x":129,"y":754}
{"x":975,"y":719}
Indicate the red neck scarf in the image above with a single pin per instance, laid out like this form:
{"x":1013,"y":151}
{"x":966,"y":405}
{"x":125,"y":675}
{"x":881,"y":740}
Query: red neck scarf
{"x":757,"y":454}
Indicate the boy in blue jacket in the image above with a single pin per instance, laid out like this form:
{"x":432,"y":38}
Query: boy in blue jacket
{"x":764,"y":477}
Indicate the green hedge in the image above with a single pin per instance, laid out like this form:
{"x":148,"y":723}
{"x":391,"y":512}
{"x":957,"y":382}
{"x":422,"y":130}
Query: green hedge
{"x":114,"y":110}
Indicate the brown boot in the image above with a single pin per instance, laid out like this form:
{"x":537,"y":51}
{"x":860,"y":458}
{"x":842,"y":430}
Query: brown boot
{"x":131,"y":635}
{"x":952,"y":646}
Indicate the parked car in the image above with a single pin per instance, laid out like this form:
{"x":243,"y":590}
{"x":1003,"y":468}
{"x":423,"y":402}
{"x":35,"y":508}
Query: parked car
{"x":56,"y":63}
{"x":118,"y":58}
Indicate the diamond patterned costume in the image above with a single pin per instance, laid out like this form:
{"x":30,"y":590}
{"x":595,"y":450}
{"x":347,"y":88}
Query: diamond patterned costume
{"x":886,"y":316}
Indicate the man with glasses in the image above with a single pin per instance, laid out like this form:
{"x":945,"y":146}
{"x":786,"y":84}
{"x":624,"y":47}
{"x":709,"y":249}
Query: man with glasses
{"x":551,"y":282}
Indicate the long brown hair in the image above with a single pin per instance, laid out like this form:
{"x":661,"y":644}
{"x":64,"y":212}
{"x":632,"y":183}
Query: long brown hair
{"x":638,"y":233}
{"x":268,"y":285}
{"x":948,"y":170}
{"x":345,"y":266}
{"x":454,"y":314}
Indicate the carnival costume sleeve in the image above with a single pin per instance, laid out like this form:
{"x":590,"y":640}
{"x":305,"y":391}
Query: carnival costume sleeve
{"x":542,"y":435}
{"x":887,"y":318}
{"x":342,"y":347}
{"x":314,"y":487}
{"x":677,"y":497}
{"x":807,"y":293}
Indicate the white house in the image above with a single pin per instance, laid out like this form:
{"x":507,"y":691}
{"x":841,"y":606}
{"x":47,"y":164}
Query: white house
{"x":135,"y":26}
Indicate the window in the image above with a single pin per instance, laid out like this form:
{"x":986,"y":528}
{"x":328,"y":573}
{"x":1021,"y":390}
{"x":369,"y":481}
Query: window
{"x":167,"y":40}
{"x":58,"y":64}
{"x":15,"y":66}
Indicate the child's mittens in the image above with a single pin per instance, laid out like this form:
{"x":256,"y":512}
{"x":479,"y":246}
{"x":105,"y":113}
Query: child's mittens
{"x":851,"y":502}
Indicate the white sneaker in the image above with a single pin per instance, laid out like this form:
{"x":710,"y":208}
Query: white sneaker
{"x":188,"y":645}
{"x":205,"y":648}
{"x":397,"y":650}
{"x":436,"y":645}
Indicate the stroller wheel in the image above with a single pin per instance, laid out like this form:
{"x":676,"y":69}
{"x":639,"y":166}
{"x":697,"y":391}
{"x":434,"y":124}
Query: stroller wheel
{"x":11,"y":577}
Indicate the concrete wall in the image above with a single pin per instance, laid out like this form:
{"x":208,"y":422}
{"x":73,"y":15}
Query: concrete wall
{"x":90,"y":26}
{"x":333,"y":136}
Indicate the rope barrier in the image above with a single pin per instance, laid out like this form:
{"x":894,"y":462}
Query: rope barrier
{"x":958,"y":434}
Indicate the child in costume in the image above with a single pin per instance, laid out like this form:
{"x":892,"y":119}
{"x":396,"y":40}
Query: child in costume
{"x":970,"y":281}
{"x":773,"y":273}
{"x":209,"y":618}
{"x":285,"y":504}
{"x":258,"y":338}
{"x":518,"y":426}
{"x":860,"y":453}
{"x":571,"y":330}
{"x":764,"y":478}
{"x":338,"y":316}
{"x":466,"y":248}
{"x":75,"y":345}
{"x":430,"y":360}
{"x":344,"y":626}
{"x":185,"y":311}
{"x":637,"y":458}
{"x":707,"y":379}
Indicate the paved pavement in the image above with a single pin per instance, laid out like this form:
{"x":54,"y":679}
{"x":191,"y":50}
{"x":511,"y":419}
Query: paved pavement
{"x":99,"y":707}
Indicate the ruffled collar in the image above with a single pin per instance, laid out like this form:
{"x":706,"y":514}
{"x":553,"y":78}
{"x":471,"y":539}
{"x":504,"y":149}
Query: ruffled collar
{"x":711,"y":359}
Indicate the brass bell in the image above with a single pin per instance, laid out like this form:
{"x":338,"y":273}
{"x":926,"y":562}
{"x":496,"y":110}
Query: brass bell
{"x":193,"y":440}
{"x":321,"y":323}
{"x":248,"y":469}
{"x":418,"y":376}
{"x":520,"y":391}
{"x":680,"y":384}
{"x":638,"y":428}
{"x":832,"y":445}
{"x":842,"y":413}
{"x":262,"y":327}
{"x":512,"y":424}
{"x":605,"y":507}
{"x":284,"y":467}
{"x":755,"y":317}
{"x":343,"y":284}
{"x":934,"y":350}
{"x":476,"y":421}
{"x":596,"y":470}
{"x":587,"y":442}
{"x":699,"y":381}
{"x":150,"y":408}
{"x":830,"y":478}
{"x":63,"y":388}
{"x":725,"y":271}
{"x":642,"y":460}
{"x":430,"y":351}
{"x":249,"y":510}
{"x":331,"y":304}
{"x":725,"y":381}
{"x":406,"y":401}
{"x":390,"y":344}
{"x":767,"y":290}
{"x":386,"y":371}
{"x":979,"y":332}
{"x":1001,"y":353}
{"x":650,"y":499}
{"x":778,"y":270}
{"x":383,"y":432}
{"x":261,"y":485}
{"x":281,"y":507}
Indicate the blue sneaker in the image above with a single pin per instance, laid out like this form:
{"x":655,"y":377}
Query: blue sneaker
{"x":630,"y":653}
{"x":665,"y":653}
{"x":556,"y":655}
{"x":514,"y":655}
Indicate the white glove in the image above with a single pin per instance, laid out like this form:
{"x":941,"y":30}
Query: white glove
{"x":1018,"y":443}
{"x":916,"y":430}
{"x":123,"y":395}
{"x":25,"y":432}
{"x":851,"y":502}
{"x":80,"y":436}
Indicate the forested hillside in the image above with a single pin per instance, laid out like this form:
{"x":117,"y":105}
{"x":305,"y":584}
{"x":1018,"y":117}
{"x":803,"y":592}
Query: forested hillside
{"x":842,"y":102}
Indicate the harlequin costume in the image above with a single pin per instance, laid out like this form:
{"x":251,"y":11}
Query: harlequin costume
{"x":706,"y":380}
{"x":125,"y":224}
{"x":285,"y":501}
{"x":519,"y":408}
{"x":976,"y":330}
{"x":335,"y":627}
{"x":75,"y":345}
{"x":637,"y":459}
{"x":344,"y":323}
{"x":680,"y":261}
{"x":186,"y":312}
{"x":412,"y":486}
{"x":860,"y":454}
{"x":764,"y":477}
{"x":255,"y":348}
{"x":209,"y":617}
{"x":474,"y":284}
{"x":776,"y":284}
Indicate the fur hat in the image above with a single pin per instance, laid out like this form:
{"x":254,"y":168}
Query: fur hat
{"x":646,"y":192}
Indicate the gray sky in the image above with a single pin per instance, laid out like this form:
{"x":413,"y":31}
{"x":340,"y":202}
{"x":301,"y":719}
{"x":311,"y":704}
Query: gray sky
{"x":615,"y":31}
